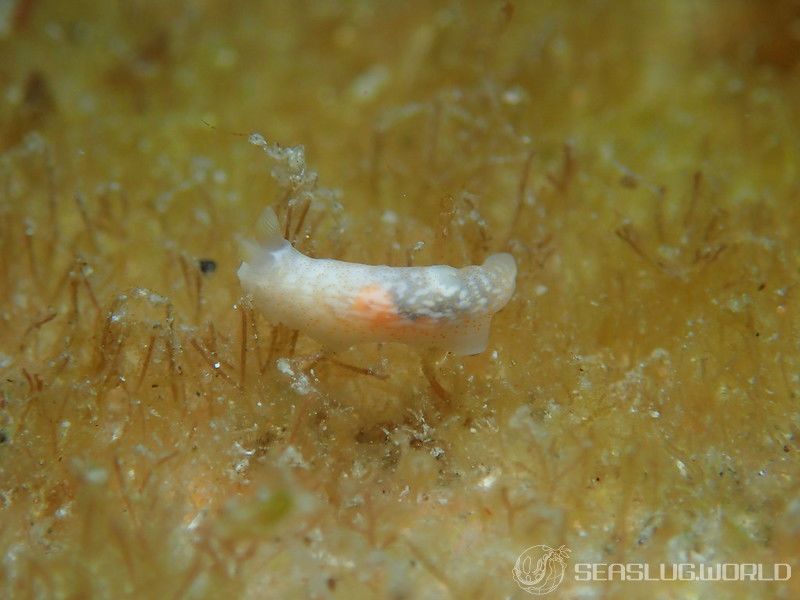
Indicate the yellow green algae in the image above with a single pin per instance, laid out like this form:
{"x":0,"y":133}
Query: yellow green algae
{"x":637,"y":404}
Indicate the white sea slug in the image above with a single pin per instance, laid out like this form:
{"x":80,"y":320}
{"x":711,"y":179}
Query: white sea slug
{"x":340,"y":303}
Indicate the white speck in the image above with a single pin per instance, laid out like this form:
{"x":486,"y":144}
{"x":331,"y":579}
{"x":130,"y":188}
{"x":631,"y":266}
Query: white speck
{"x":291,"y":457}
{"x":487,"y":482}
{"x":242,"y":450}
{"x":655,"y":414}
{"x":540,"y":290}
{"x":201,"y":216}
{"x":359,"y":470}
{"x":681,"y":467}
{"x":194,"y":523}
{"x":96,"y":475}
{"x":404,"y":492}
{"x":257,"y":139}
{"x":369,"y":84}
{"x":437,"y":452}
{"x":450,"y":291}
{"x":300,"y":382}
{"x":284,"y":366}
{"x":389,"y":217}
{"x":737,"y":305}
{"x":514,"y":95}
{"x":217,"y":365}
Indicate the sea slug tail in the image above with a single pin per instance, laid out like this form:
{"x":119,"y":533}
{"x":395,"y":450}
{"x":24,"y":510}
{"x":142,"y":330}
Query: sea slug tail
{"x":504,"y":264}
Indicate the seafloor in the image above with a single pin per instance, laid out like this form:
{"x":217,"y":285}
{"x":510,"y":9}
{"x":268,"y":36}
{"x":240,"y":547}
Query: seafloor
{"x":638,"y":402}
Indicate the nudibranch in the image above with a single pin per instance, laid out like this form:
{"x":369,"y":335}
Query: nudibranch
{"x":341,"y":304}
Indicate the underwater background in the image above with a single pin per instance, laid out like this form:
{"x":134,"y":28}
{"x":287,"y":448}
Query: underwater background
{"x":638,"y":402}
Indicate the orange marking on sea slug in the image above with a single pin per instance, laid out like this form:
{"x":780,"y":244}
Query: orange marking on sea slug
{"x":375,"y":304}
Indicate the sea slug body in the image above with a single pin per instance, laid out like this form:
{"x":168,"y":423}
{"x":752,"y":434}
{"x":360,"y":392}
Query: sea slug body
{"x":341,"y":304}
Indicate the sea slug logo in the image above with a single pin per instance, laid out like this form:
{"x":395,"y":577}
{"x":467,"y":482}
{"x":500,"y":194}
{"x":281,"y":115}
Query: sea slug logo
{"x":540,"y":569}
